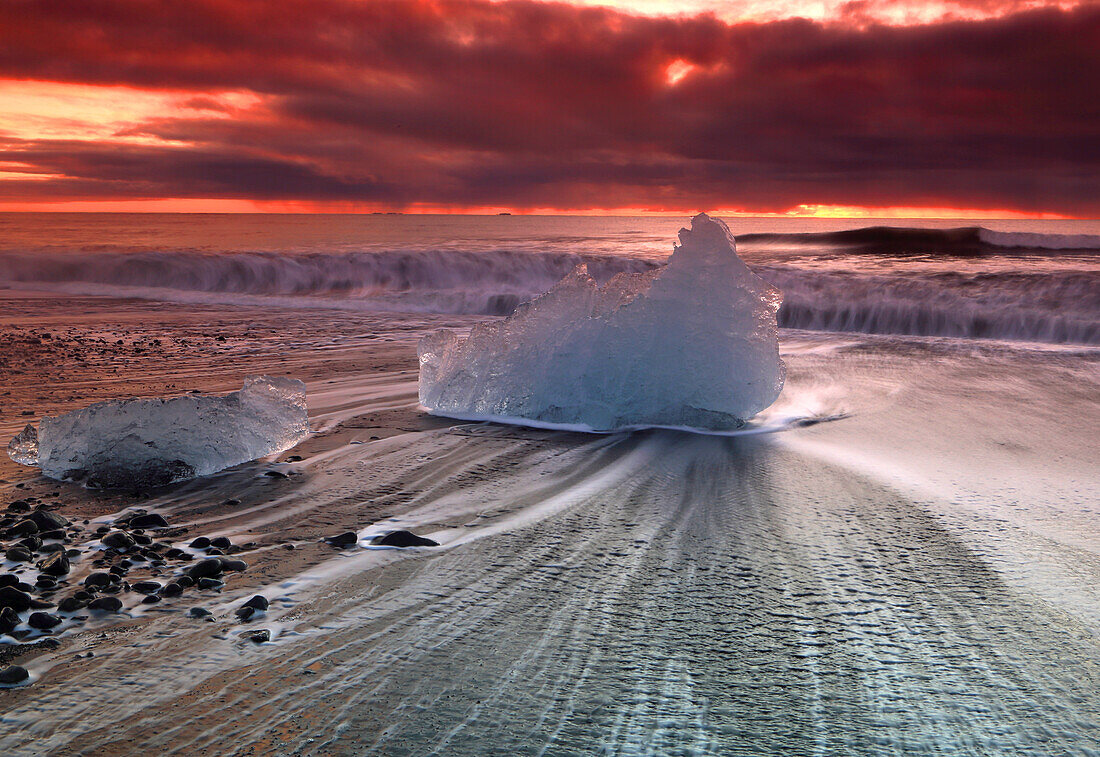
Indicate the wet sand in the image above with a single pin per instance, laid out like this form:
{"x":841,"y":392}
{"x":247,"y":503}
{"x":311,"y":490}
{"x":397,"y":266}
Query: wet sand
{"x":910,"y":568}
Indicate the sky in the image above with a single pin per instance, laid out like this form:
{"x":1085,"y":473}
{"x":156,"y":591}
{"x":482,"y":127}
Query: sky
{"x":958,"y":108}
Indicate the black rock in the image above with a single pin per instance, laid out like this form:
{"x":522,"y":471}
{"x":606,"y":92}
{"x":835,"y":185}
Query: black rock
{"x":259,"y":602}
{"x":198,"y":612}
{"x":97,"y":579}
{"x":117,"y":540}
{"x":207,"y":568}
{"x":146,"y":587}
{"x":23,"y":528}
{"x":8,"y":620}
{"x":151,"y":520}
{"x":245,"y":613}
{"x":13,"y":674}
{"x":171,"y":590}
{"x":403,"y":539}
{"x":8,"y":579}
{"x":17,"y":600}
{"x":344,"y":540}
{"x":221,"y":542}
{"x":47,"y":548}
{"x":106,"y":604}
{"x":19,"y":554}
{"x":210,"y":583}
{"x":45,"y":582}
{"x":47,"y":521}
{"x":57,"y":564}
{"x":71,"y":604}
{"x":260,"y":636}
{"x":19,"y":506}
{"x":57,"y":533}
{"x":185,"y":581}
{"x":233,"y":565}
{"x":119,"y":570}
{"x":200,"y":543}
{"x":174,"y":553}
{"x":142,"y":539}
{"x":33,"y":543}
{"x":43,"y":621}
{"x":231,"y":502}
{"x":150,"y":599}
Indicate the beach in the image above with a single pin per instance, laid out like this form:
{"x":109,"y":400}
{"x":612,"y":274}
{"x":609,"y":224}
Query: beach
{"x":901,"y":559}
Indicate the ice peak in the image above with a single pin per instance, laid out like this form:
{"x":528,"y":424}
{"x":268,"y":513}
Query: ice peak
{"x":694,"y":344}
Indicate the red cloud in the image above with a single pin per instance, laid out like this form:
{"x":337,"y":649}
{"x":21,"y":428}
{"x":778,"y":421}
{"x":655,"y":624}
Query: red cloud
{"x":531,"y":104}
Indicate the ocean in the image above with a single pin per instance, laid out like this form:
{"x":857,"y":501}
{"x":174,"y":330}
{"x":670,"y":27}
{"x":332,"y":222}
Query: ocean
{"x":992,"y":279}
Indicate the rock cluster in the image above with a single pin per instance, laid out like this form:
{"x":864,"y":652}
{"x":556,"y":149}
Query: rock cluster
{"x":54,"y":585}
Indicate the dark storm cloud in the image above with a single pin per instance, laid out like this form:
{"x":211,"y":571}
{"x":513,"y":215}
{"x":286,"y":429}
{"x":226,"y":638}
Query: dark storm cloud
{"x":535,"y":104}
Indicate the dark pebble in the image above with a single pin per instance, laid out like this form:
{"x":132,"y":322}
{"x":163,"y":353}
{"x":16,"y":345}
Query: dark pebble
{"x":233,"y":565}
{"x":117,"y":540}
{"x":209,"y":583}
{"x":150,"y":599}
{"x":33,"y":543}
{"x":207,"y":568}
{"x":13,"y":674}
{"x":8,"y":580}
{"x":98,"y":579}
{"x":71,"y":604}
{"x":260,"y":636}
{"x":172,"y":590}
{"x":17,"y":600}
{"x":106,"y":604}
{"x":152,"y":520}
{"x":146,"y":587}
{"x":200,"y":543}
{"x":43,"y":621}
{"x":198,"y":612}
{"x":221,"y":542}
{"x":23,"y":528}
{"x":344,"y":540}
{"x":57,"y":564}
{"x":403,"y":539}
{"x":259,"y":602}
{"x":245,"y":613}
{"x":19,"y":554}
{"x":47,"y":521}
{"x":8,"y":620}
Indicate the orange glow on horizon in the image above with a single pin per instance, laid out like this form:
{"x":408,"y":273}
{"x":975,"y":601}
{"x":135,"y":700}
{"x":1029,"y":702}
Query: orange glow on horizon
{"x":200,"y":205}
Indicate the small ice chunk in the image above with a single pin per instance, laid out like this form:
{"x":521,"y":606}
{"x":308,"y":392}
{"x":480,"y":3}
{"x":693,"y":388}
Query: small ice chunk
{"x":152,"y":442}
{"x":692,"y":345}
{"x":23,"y":448}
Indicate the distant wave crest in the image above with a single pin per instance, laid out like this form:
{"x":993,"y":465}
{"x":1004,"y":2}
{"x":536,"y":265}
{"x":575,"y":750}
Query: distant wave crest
{"x":966,"y":241}
{"x":1054,"y":307}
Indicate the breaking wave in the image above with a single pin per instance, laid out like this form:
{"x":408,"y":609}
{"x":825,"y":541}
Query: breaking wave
{"x":967,"y":241}
{"x":1051,"y":306}
{"x":444,"y":281}
{"x":1058,"y":308}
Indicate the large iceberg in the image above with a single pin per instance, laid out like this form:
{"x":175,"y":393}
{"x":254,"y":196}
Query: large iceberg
{"x":152,"y":442}
{"x":693,"y":345}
